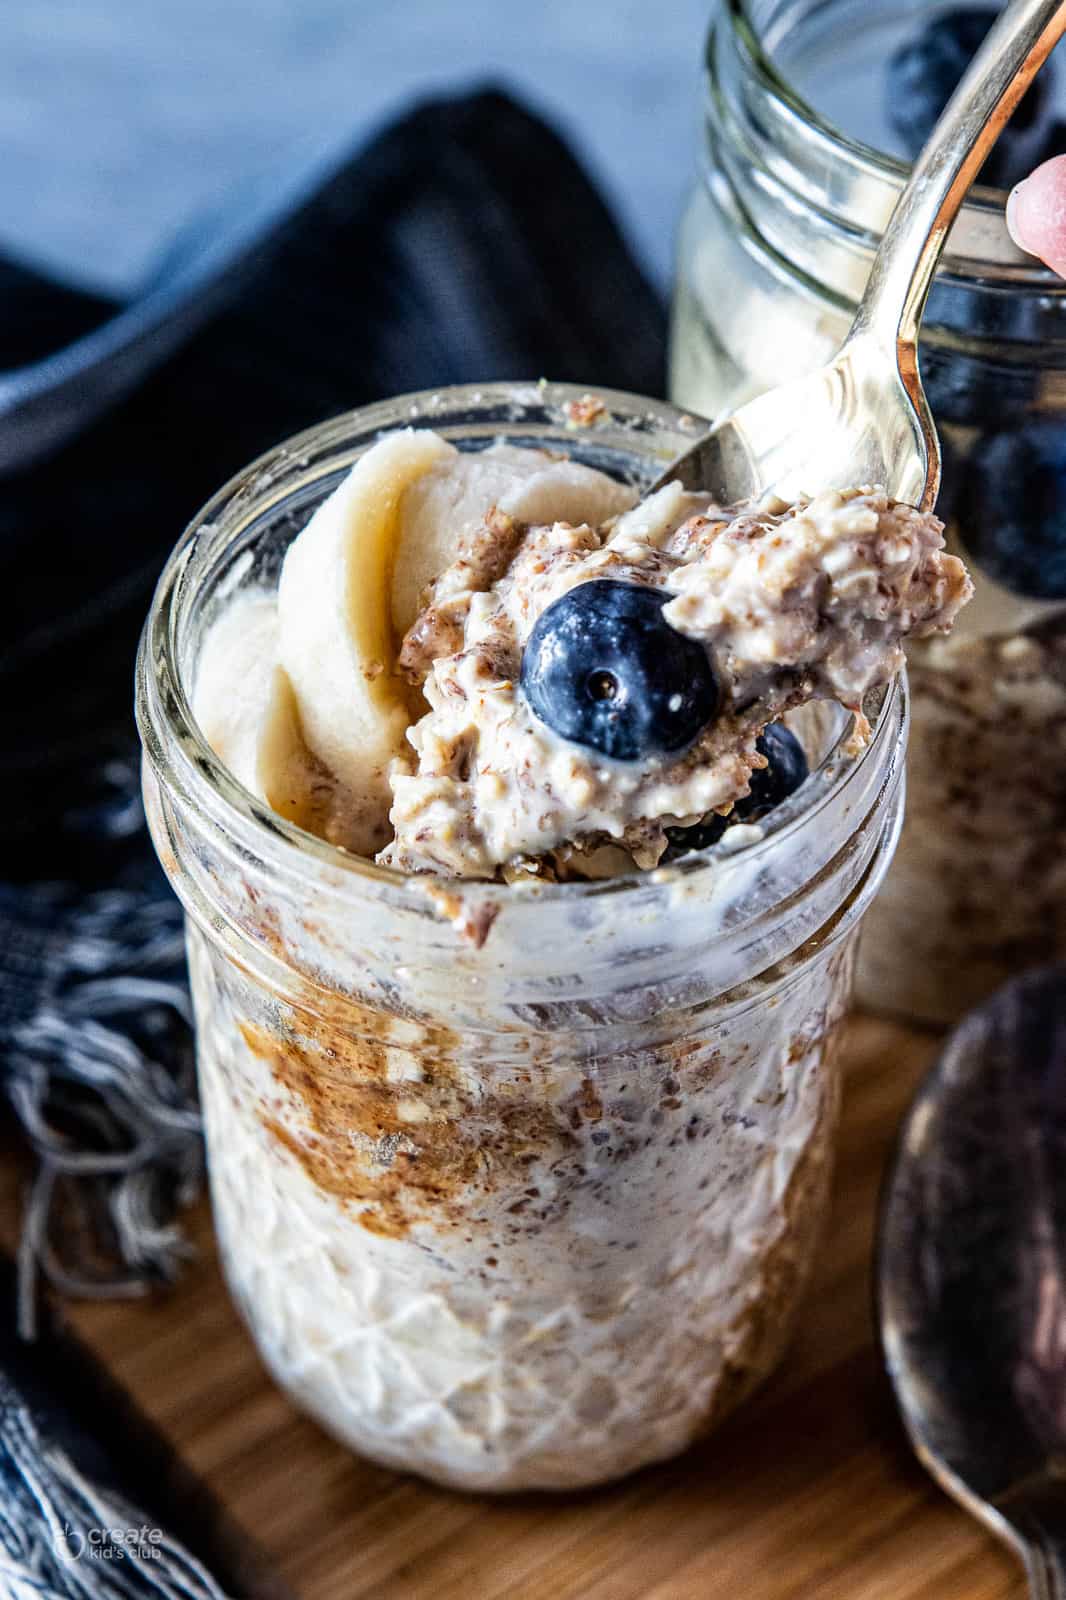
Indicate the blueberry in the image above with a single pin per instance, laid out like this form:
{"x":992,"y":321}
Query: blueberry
{"x":603,"y":668}
{"x":699,"y":836}
{"x":1012,"y":508}
{"x":968,"y":388}
{"x":1053,"y":142}
{"x":952,"y":467}
{"x":769,"y":787}
{"x":924,"y":72}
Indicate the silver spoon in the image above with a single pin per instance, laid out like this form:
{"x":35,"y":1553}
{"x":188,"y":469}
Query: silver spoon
{"x":972,"y":1272}
{"x":864,"y":419}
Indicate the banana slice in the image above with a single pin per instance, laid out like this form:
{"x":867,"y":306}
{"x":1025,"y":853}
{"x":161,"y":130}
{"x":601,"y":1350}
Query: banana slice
{"x":452,"y":499}
{"x":246,"y":708}
{"x":247,"y":711}
{"x":336,"y":640}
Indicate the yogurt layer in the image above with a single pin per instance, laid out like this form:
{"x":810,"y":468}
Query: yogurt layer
{"x":376,"y":699}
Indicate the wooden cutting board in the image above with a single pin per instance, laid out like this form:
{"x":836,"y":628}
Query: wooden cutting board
{"x":809,"y":1492}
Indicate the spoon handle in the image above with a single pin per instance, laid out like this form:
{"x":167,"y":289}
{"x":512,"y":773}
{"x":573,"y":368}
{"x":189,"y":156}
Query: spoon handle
{"x":1045,"y":1567}
{"x":1015,"y":48}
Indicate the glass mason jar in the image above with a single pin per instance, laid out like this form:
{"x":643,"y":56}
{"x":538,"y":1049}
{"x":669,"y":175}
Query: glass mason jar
{"x":775,"y":248}
{"x":515,"y":1186}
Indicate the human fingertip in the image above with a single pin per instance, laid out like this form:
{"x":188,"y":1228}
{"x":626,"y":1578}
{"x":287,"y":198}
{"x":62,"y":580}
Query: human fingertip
{"x":1015,"y":224}
{"x":1036,"y":213}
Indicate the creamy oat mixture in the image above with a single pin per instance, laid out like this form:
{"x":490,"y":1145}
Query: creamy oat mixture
{"x":377,"y":698}
{"x":535,"y":1268}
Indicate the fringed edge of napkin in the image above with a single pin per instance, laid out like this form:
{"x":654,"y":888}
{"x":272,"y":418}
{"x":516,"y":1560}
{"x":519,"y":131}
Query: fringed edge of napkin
{"x":97,"y":1065}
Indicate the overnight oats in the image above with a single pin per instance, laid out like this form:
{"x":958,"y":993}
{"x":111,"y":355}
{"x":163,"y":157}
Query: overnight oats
{"x":812,"y":112}
{"x":524,"y":826}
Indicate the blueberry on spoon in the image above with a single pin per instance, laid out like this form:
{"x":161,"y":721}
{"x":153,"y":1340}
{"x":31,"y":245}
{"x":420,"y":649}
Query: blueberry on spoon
{"x":604,"y":669}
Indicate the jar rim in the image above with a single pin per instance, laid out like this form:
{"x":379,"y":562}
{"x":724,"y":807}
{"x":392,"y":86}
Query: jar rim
{"x":983,"y":203}
{"x":188,"y":767}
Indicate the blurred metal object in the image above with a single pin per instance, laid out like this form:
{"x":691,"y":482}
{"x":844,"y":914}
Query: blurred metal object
{"x":864,"y":419}
{"x":972,"y":1271}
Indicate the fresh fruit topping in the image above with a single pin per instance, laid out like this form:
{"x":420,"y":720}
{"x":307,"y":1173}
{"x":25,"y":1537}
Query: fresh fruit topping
{"x":603,"y":668}
{"x":335,"y":634}
{"x":771,"y":786}
{"x":768,"y":787}
{"x":1012,"y":508}
{"x":966,"y":386}
{"x":1053,"y":142}
{"x":699,"y":836}
{"x":924,"y":73}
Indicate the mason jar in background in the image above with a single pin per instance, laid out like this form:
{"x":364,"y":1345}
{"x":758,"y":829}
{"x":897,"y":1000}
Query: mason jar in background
{"x":775,"y":248}
{"x":516,"y":1186}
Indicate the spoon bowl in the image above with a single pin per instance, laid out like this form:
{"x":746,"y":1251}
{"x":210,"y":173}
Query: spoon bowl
{"x":850,"y":423}
{"x":972,"y":1271}
{"x":863,"y":420}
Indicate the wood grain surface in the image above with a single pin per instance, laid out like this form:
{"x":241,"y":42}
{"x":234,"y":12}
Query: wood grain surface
{"x":809,"y":1492}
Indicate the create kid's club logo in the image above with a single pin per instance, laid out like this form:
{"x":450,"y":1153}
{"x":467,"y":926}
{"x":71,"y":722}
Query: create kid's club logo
{"x":69,"y":1544}
{"x":107,"y":1544}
